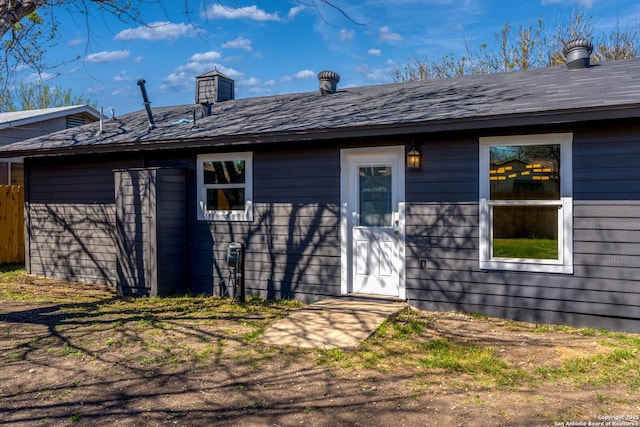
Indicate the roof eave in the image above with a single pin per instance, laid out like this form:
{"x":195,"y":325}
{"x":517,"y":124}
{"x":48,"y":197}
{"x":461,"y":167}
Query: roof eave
{"x":67,"y":111}
{"x":505,"y":121}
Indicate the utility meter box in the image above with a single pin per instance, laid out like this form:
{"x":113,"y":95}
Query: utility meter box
{"x":234,"y":255}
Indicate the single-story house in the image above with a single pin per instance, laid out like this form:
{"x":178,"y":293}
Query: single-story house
{"x":20,"y":125}
{"x":514,"y":195}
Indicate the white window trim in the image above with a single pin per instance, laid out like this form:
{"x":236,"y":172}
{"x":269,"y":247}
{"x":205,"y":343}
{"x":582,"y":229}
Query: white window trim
{"x":564,"y":264}
{"x":232,"y":215}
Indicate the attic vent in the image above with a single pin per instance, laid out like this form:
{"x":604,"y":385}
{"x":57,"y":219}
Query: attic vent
{"x":75,"y":121}
{"x":577,"y":53}
{"x":214,"y":87}
{"x":328,"y":82}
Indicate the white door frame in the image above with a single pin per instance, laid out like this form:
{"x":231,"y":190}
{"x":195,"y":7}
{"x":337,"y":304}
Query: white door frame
{"x":347,"y":156}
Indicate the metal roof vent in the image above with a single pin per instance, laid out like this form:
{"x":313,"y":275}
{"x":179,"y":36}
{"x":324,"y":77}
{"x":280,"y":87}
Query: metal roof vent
{"x":147,"y":104}
{"x":328,"y":82}
{"x":577,"y":53}
{"x":213,"y":87}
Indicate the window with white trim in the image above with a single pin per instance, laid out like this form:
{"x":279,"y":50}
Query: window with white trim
{"x":225,"y":186}
{"x":526,"y":204}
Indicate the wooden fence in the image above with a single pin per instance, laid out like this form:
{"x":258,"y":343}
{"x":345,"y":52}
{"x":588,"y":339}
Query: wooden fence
{"x":11,"y":223}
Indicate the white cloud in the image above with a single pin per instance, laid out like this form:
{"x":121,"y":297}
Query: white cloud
{"x":75,"y":42}
{"x":580,"y":3}
{"x":182,"y":79}
{"x":375,"y":52}
{"x":300,"y":75}
{"x":386,"y":35}
{"x":305,"y":75}
{"x":158,"y":31}
{"x":40,"y":77}
{"x":239,"y":43}
{"x":122,"y":77}
{"x":107,"y":56}
{"x":121,"y":92}
{"x":256,"y":86}
{"x":251,"y":81}
{"x":212,"y":55}
{"x":138,"y":59}
{"x":218,"y":11}
{"x":376,"y":75}
{"x":294,"y":11}
{"x":344,"y":35}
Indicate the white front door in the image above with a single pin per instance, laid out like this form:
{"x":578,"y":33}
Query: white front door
{"x":373,"y":221}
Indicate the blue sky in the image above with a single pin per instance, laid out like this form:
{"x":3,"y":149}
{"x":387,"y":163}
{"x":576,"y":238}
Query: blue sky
{"x":275,"y":47}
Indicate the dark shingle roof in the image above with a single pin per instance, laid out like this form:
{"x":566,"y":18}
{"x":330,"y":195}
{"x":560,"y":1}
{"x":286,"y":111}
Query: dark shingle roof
{"x":549,"y":95}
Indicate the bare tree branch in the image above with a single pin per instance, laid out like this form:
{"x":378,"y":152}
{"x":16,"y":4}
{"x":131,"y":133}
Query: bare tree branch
{"x":526,"y":48}
{"x":29,"y":27}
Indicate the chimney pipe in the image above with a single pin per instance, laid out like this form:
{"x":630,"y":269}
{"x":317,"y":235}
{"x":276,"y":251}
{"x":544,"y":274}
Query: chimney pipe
{"x":577,"y":53}
{"x":328,"y":82}
{"x":147,"y":104}
{"x":101,"y":121}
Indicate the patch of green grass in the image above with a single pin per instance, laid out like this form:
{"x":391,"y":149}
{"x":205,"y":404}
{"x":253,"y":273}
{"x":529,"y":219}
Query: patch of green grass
{"x":620,"y":365}
{"x":11,"y":270}
{"x":330,"y":356}
{"x":544,"y":328}
{"x":370,"y":359}
{"x":15,"y":355}
{"x":71,"y":351}
{"x":408,"y":325}
{"x":208,"y":353}
{"x":475,"y":315}
{"x":468,"y":359}
{"x":149,"y":360}
{"x":253,"y":335}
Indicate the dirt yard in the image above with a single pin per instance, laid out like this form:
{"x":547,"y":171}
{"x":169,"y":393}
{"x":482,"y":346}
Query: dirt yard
{"x":73,"y":354}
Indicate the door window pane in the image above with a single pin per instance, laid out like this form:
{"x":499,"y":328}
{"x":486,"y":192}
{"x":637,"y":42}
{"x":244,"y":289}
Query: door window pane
{"x":375,"y":204}
{"x":525,"y":172}
{"x":525,"y":232}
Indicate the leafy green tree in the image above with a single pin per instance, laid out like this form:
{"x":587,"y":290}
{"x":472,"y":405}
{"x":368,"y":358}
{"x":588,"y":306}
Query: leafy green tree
{"x":529,"y":46}
{"x":31,"y":96}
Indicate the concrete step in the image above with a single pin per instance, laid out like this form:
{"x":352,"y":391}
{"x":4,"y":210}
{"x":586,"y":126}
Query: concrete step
{"x":331,"y":323}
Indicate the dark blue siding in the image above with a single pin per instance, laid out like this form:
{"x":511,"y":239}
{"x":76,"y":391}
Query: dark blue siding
{"x":603,"y":291}
{"x":293,"y":243}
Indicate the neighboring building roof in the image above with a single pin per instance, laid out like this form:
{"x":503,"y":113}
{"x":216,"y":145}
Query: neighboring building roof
{"x":607,"y":90}
{"x":21,"y":118}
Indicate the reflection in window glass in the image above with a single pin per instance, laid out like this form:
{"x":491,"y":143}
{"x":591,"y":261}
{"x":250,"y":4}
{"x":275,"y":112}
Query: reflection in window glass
{"x":225,"y":199}
{"x":227,"y":172}
{"x":525,"y":172}
{"x":225,"y":186}
{"x":525,"y":232}
{"x":375,"y":204}
{"x":526,"y":206}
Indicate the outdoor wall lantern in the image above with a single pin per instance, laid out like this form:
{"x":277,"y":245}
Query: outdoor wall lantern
{"x":414,"y":158}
